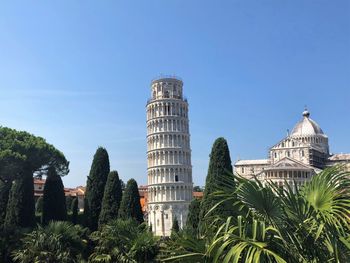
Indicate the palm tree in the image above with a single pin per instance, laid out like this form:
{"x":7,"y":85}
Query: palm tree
{"x":124,"y":241}
{"x":57,"y":242}
{"x":310,"y":224}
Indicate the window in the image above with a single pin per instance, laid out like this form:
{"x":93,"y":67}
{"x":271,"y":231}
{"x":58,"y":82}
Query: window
{"x":302,"y":153}
{"x":242,"y":170}
{"x":275,"y":155}
{"x":288,"y":154}
{"x":176,"y":178}
{"x":166,"y":216}
{"x":157,"y":222}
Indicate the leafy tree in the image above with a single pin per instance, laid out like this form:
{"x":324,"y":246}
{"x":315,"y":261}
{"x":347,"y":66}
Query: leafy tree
{"x":4,"y":196}
{"x":193,"y":216}
{"x":69,"y":200}
{"x":95,"y":188}
{"x":111,"y":199}
{"x":39,"y":205}
{"x":20,"y":209}
{"x":75,"y":211}
{"x":130,"y":207}
{"x":54,"y":201}
{"x":23,"y":155}
{"x":124,"y":241}
{"x":56,"y":242}
{"x":219,"y":172}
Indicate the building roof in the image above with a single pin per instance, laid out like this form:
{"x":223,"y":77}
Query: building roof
{"x":253,"y":162}
{"x":198,"y":194}
{"x":340,"y":157}
{"x":306,"y":126}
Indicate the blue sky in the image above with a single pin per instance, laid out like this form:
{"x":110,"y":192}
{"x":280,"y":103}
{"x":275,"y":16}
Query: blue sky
{"x":78,"y":74}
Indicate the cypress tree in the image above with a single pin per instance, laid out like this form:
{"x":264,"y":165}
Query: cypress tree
{"x":220,"y":169}
{"x":69,"y":200}
{"x":95,"y":188}
{"x":75,"y":210}
{"x":193,"y":216}
{"x":21,"y":204}
{"x":130,"y":206}
{"x":111,"y":198}
{"x":39,"y":205}
{"x":54,"y":201}
{"x":4,"y":196}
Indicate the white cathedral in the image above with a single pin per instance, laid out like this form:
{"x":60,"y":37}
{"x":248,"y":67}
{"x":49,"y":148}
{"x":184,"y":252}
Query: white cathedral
{"x":296,"y":158}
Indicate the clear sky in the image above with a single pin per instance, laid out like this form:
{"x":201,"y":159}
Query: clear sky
{"x":78,"y":74}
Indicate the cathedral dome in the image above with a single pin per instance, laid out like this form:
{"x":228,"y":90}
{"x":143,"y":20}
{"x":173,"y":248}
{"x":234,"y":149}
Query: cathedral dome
{"x":306,"y":126}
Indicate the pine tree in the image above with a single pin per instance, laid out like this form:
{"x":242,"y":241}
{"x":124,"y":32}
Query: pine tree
{"x":193,"y":216}
{"x":54,"y":201}
{"x":95,"y":188}
{"x":20,"y":210}
{"x":75,"y":210}
{"x":219,"y":169}
{"x":111,"y":199}
{"x":39,"y":205}
{"x":4,"y":196}
{"x":130,"y":206}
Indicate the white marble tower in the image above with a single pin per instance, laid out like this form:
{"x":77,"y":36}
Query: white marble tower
{"x":168,"y":155}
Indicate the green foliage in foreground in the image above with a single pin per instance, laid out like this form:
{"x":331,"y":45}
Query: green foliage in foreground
{"x":57,"y":242}
{"x":274,"y":225}
{"x":124,"y":241}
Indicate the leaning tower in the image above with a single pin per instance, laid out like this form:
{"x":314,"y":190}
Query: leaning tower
{"x":169,"y":156}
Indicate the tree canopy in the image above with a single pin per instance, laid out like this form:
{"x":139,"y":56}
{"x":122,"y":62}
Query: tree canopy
{"x":21,"y":150}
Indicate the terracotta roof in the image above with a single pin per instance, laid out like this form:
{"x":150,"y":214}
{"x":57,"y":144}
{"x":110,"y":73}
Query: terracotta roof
{"x":198,"y":194}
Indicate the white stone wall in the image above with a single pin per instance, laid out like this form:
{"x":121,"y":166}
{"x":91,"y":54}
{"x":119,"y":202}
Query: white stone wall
{"x":168,"y":156}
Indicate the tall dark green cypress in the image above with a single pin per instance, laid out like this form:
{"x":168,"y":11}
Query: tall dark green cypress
{"x":69,"y":200}
{"x":193,"y":216}
{"x":95,"y":188}
{"x":39,"y":205}
{"x":220,"y":168}
{"x":21,"y":204}
{"x":111,"y":198}
{"x":75,"y":210}
{"x":54,"y":200}
{"x":130,"y":206}
{"x":4,"y":196}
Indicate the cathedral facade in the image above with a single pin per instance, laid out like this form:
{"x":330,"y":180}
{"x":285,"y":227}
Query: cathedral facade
{"x":296,"y":158}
